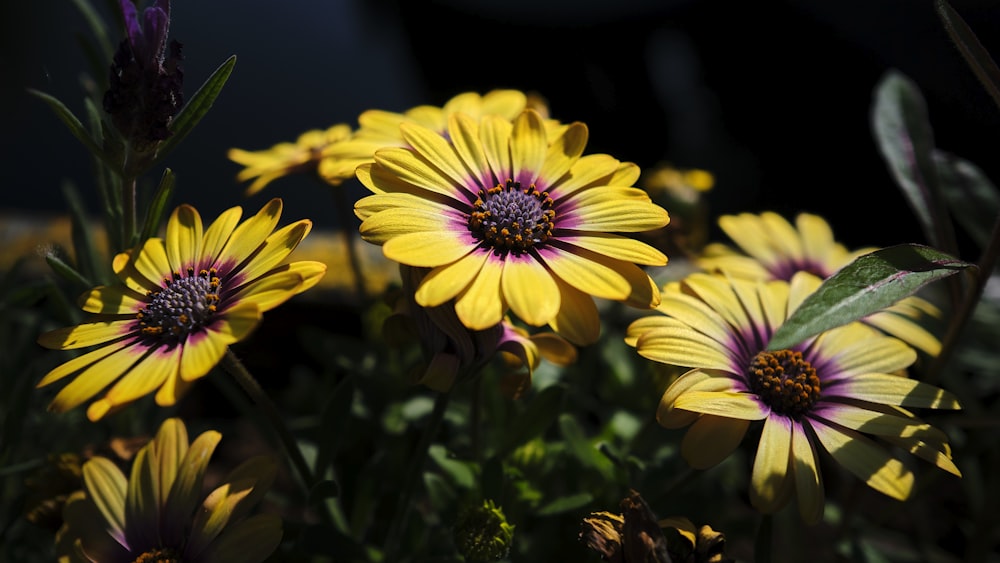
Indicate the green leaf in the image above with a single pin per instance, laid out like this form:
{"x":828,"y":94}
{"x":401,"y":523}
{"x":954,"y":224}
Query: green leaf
{"x":97,"y":27}
{"x":970,"y":194}
{"x":580,"y":447}
{"x":158,"y":205}
{"x":323,"y":490}
{"x":83,"y":242}
{"x":972,"y":50}
{"x":74,"y":125}
{"x":903,"y":133}
{"x":462,"y":473}
{"x":565,"y":504}
{"x":870,"y":283}
{"x":539,"y":415}
{"x":66,"y":271}
{"x":196,"y":108}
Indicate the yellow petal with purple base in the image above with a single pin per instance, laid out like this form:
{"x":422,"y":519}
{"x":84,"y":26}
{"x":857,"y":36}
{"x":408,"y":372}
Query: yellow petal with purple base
{"x":530,"y":290}
{"x":481,"y":305}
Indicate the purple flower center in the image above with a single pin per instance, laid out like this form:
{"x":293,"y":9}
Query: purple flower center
{"x":784,"y":380}
{"x":183,"y":306}
{"x":511,"y":219}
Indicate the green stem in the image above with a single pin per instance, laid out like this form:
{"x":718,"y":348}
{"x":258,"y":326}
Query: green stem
{"x":128,"y":211}
{"x":346,"y":221}
{"x":987,"y":262}
{"x":235,"y":367}
{"x":404,"y":502}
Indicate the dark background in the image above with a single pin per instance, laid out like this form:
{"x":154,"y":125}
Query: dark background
{"x":772,"y":97}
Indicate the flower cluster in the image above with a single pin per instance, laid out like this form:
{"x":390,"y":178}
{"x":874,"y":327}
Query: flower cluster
{"x":513,"y":245}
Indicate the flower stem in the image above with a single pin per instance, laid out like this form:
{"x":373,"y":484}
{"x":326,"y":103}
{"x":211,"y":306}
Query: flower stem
{"x":987,"y":262}
{"x":246,"y":381}
{"x":347,"y":221}
{"x":128,"y":211}
{"x":404,"y":502}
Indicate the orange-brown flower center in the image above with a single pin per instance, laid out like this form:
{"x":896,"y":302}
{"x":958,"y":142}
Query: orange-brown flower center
{"x":158,"y":555}
{"x":183,"y":306}
{"x":784,"y":380}
{"x":509,"y":218}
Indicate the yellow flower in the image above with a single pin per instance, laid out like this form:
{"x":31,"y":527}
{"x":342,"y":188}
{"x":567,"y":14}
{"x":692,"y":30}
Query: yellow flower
{"x":836,"y":391}
{"x":770,"y":248}
{"x":285,"y":159}
{"x":181,"y":302}
{"x":511,"y":219}
{"x":160,"y":514}
{"x":379,"y":129}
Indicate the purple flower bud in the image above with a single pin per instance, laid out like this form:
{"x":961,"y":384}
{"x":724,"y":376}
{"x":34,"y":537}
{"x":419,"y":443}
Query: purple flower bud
{"x":146,"y":79}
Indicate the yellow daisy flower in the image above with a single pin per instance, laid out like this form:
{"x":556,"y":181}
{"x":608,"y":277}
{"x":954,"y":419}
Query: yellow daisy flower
{"x":770,"y":248}
{"x":510,"y":219}
{"x":378,"y":128}
{"x":285,"y":159}
{"x":838,"y":391}
{"x":181,"y":301}
{"x":159,"y":512}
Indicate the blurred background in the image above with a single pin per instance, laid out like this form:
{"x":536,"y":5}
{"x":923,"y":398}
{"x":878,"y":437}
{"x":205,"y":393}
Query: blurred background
{"x":773,"y":98}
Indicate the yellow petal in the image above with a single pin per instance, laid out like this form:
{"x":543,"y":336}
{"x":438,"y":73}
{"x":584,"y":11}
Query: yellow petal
{"x":464,"y":132}
{"x":671,"y":342}
{"x":808,"y":482}
{"x":115,"y":300}
{"x":494,"y":135}
{"x":152,"y":262}
{"x":481,"y":305}
{"x":96,"y":377}
{"x":436,"y":149}
{"x":817,"y":237}
{"x":894,"y":390}
{"x":906,"y":330}
{"x":711,"y":439}
{"x":618,"y":247}
{"x":427,"y":249}
{"x":280,"y":284}
{"x":589,"y":272}
{"x":249,"y":234}
{"x":183,"y":238}
{"x":586,"y":171}
{"x":79,"y":362}
{"x":413,"y":169}
{"x":106,"y":486}
{"x":445,"y":282}
{"x":725,"y":403}
{"x":186,"y":490}
{"x":563,"y":152}
{"x":578,"y":319}
{"x":87,"y":334}
{"x":695,"y":380}
{"x":218,"y":233}
{"x":276,"y":248}
{"x":611,"y":209}
{"x":528,"y":146}
{"x":770,"y":483}
{"x":146,"y":376}
{"x":870,"y":463}
{"x":172,"y":390}
{"x":530,"y":290}
{"x":201,"y":353}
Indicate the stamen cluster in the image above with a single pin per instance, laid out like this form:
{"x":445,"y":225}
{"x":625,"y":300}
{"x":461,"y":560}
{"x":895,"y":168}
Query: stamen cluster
{"x":784,"y":380}
{"x":512,"y":219}
{"x":184,"y":305}
{"x":158,"y":555}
